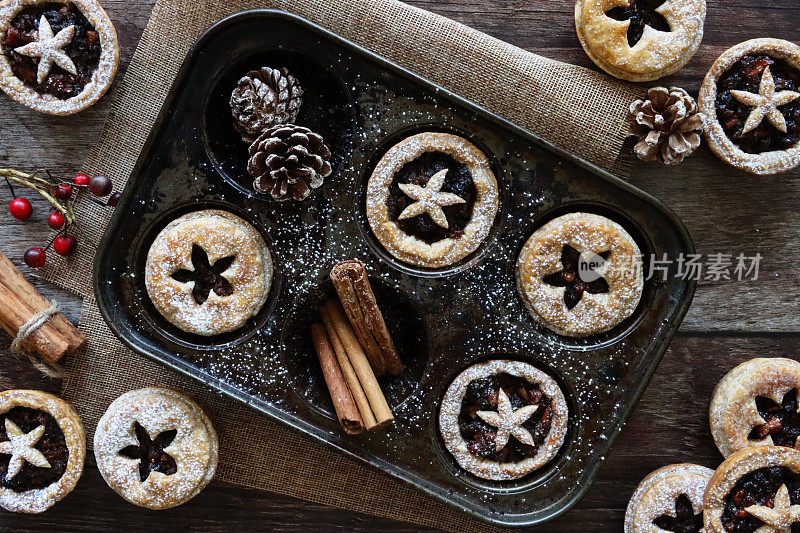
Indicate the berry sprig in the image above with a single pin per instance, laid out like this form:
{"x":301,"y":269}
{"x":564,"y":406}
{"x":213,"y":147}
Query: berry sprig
{"x":62,"y":194}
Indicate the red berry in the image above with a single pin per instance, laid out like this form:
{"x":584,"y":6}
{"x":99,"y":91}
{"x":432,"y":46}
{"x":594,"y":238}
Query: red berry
{"x":100,"y":186}
{"x":81,"y":180}
{"x":64,"y":244}
{"x":55,"y":220}
{"x":63,"y":192}
{"x":113,"y":200}
{"x":35,"y":257}
{"x":20,"y":208}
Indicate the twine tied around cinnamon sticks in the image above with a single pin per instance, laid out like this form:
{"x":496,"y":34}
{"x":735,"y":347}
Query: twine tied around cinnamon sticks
{"x":35,"y":324}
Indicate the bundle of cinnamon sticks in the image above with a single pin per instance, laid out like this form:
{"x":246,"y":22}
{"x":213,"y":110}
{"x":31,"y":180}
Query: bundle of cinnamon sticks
{"x":19,"y":302}
{"x":354,"y":346}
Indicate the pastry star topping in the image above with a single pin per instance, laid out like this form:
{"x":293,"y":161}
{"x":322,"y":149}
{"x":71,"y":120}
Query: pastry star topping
{"x":21,"y":448}
{"x":780,"y":517}
{"x":509,"y":422}
{"x":430,"y":199}
{"x":766,"y":103}
{"x":641,"y":13}
{"x":150,"y":453}
{"x":206,"y":277}
{"x":684,"y":520}
{"x":49,"y":49}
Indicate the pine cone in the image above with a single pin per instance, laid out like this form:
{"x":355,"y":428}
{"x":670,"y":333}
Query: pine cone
{"x":265,"y":98}
{"x":667,"y":124}
{"x":288,"y":161}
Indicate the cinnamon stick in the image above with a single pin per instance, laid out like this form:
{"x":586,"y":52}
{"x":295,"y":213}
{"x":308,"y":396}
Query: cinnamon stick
{"x":343,"y":403}
{"x":349,"y":373}
{"x":377,"y":401}
{"x":45,"y":341}
{"x":15,"y":281}
{"x":352,"y":284}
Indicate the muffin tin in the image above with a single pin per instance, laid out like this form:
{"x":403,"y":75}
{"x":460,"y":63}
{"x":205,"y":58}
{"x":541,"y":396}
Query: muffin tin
{"x":442,"y":320}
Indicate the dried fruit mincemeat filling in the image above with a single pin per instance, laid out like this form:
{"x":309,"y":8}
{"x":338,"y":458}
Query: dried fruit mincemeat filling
{"x":84,"y":49}
{"x":685,"y":519}
{"x":482,"y":395}
{"x":746,"y":75}
{"x":577,"y":276}
{"x":758,"y":488}
{"x":457,"y":181}
{"x":206,"y":277}
{"x":51,"y":444}
{"x":781,"y":421}
{"x":640,"y":13}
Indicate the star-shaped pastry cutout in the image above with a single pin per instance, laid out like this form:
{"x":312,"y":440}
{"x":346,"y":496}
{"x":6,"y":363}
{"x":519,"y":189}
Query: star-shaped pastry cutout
{"x":50,"y":49}
{"x":509,"y":422}
{"x":430,"y":199}
{"x":780,"y":517}
{"x":766,"y":103}
{"x":21,"y":448}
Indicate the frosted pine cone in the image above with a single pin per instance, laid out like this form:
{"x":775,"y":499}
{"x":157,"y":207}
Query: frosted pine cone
{"x":667,"y":124}
{"x":288,"y":161}
{"x":265,"y":98}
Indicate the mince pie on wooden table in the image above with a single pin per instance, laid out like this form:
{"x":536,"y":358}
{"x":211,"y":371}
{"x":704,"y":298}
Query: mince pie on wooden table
{"x":156,"y":447}
{"x":580,"y":275}
{"x":669,"y":499}
{"x":57,"y":57}
{"x":432,"y":199}
{"x":640,"y":40}
{"x":42,"y":450}
{"x":756,"y":404}
{"x":756,"y":490}
{"x":502,"y":420}
{"x":750,"y":101}
{"x":208,"y":272}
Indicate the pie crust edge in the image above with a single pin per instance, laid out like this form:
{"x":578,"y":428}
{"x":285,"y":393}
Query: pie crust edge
{"x":765,"y":163}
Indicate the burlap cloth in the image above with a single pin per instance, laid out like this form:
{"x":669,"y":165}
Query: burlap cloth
{"x":579,"y":110}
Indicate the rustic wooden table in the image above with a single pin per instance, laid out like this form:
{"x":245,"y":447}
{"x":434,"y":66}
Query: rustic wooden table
{"x":726,"y":211}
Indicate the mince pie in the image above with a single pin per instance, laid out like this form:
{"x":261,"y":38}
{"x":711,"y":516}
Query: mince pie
{"x":156,"y":447}
{"x":432,"y":199}
{"x":756,"y":490}
{"x":208,"y":272}
{"x":756,"y":404}
{"x":42,"y":450}
{"x":640,"y":40}
{"x":669,"y":499}
{"x":580,"y":275}
{"x":502,"y":420}
{"x":750,"y":101}
{"x":57,"y":57}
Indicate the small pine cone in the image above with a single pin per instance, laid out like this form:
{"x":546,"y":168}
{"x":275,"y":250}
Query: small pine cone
{"x":667,"y":124}
{"x":288,"y":161}
{"x":265,"y":98}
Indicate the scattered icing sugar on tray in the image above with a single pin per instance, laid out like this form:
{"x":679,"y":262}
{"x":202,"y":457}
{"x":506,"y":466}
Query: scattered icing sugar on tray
{"x":441,"y":320}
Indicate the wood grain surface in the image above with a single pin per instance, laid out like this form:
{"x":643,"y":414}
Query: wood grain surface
{"x":726,"y":211}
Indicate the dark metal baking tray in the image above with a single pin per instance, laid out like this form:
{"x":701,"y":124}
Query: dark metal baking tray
{"x":443,"y":320}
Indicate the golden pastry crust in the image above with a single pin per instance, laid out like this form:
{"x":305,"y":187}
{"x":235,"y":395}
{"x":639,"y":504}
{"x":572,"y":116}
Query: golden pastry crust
{"x":101,"y":79}
{"x":408,"y":248}
{"x":220,"y":234}
{"x":656,"y":494}
{"x":734,"y":468}
{"x":195,"y":447}
{"x":764,"y":163}
{"x":594,"y":313}
{"x":733,"y":413}
{"x":493,"y":470}
{"x":657,"y":54}
{"x":39,"y":500}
